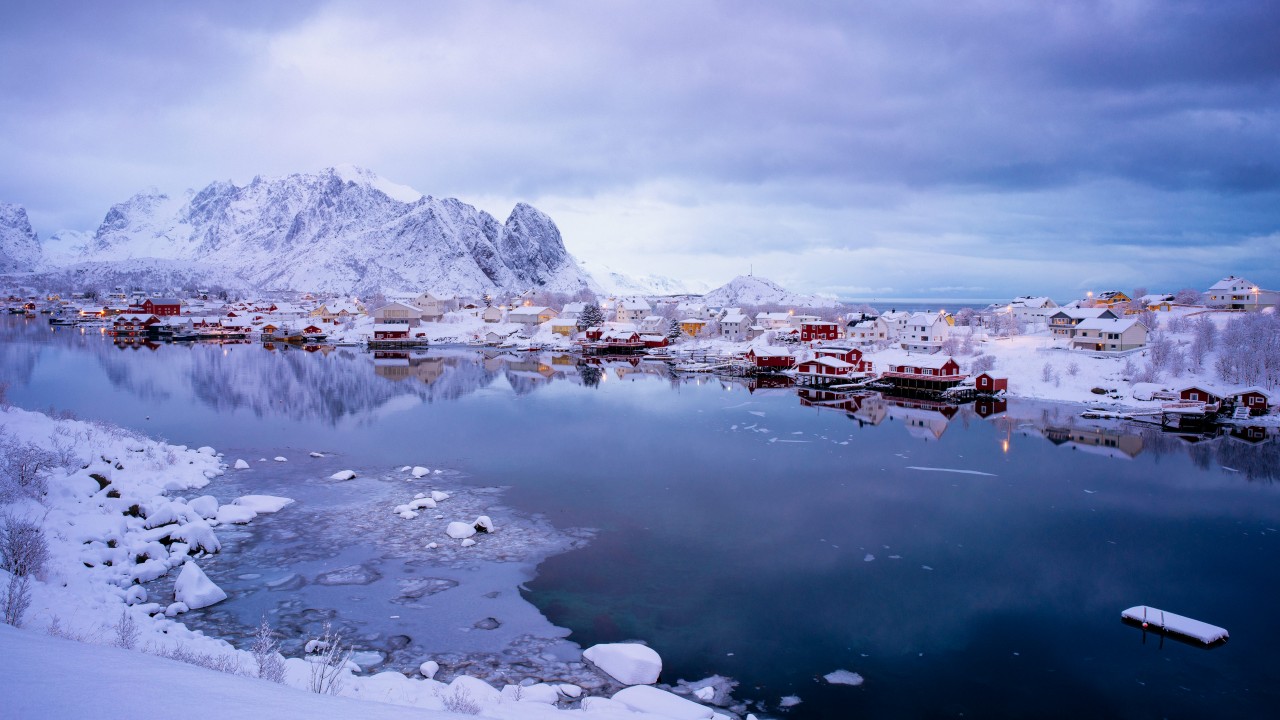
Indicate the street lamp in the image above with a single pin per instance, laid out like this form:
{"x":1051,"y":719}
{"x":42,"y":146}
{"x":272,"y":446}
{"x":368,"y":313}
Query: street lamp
{"x":1255,"y":299}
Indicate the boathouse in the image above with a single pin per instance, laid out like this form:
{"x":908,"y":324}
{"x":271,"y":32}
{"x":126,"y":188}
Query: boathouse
{"x":768,"y":358}
{"x":988,"y":385}
{"x":931,"y":373}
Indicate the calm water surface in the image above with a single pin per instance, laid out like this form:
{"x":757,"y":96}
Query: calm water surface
{"x":753,"y":535}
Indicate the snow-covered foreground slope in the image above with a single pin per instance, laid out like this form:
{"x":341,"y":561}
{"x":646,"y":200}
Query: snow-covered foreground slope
{"x":339,"y":230}
{"x":121,"y":511}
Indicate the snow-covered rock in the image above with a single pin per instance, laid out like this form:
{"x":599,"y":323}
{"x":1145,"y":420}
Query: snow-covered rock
{"x":843,"y":677}
{"x":281,"y":458}
{"x":628,"y":663}
{"x":460,"y":530}
{"x":419,"y":471}
{"x":195,"y":589}
{"x":429,"y":669}
{"x":242,"y":464}
{"x":206,"y":506}
{"x":468,"y":542}
{"x":343,"y":475}
{"x":235,"y":514}
{"x":539,"y":693}
{"x":262,"y":504}
{"x":646,"y":699}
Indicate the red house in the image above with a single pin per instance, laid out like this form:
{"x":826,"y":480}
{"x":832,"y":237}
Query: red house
{"x":770,"y":358}
{"x":1201,"y":393}
{"x":988,"y":385}
{"x":163,"y":306}
{"x":851,"y":355}
{"x":390,"y":331}
{"x":819,"y":330}
{"x":1257,"y":400}
{"x":921,"y":372}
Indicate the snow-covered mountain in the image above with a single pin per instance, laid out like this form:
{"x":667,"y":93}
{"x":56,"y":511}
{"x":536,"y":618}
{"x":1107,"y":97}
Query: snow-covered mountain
{"x":339,"y":230}
{"x":609,"y":282}
{"x":19,"y":245}
{"x":753,"y":290}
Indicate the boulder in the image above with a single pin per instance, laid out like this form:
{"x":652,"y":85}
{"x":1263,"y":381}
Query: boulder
{"x":628,"y":663}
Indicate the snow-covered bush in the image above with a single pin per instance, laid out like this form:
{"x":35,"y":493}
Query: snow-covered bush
{"x":225,"y":663}
{"x":460,"y":701}
{"x":16,"y":599}
{"x":24,"y":550}
{"x":22,"y":469}
{"x":1073,"y":368}
{"x":126,"y":631}
{"x":983,"y":363}
{"x":329,"y":662}
{"x":266,"y":652}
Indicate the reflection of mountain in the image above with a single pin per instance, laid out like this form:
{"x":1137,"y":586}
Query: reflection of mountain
{"x":15,"y":357}
{"x":289,"y":382}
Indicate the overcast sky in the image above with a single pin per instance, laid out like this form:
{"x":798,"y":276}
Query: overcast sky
{"x":952,"y":149}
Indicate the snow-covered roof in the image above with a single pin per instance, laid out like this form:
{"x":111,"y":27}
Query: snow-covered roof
{"x":831,"y":362}
{"x":768,"y":351}
{"x":734,"y":318}
{"x":1104,"y":325}
{"x":634,"y":304}
{"x":1229,"y":282}
{"x":530,"y":310}
{"x":920,"y":360}
{"x":1033,"y":302}
{"x":1078,"y":313}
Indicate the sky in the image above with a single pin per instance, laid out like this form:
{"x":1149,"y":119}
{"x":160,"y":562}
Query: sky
{"x":862,"y":150}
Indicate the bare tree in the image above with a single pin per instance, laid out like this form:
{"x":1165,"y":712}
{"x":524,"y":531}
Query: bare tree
{"x":266,"y":651}
{"x":328,"y":662}
{"x":126,"y":631}
{"x":24,"y":550}
{"x":22,"y":469}
{"x":16,"y":599}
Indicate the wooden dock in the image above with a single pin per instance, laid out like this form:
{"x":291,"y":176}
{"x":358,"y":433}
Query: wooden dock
{"x":1155,"y":619}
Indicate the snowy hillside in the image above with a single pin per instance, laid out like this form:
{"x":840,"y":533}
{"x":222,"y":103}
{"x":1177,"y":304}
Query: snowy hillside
{"x":19,"y":246}
{"x":752,"y":290}
{"x":339,"y":230}
{"x":610,"y":282}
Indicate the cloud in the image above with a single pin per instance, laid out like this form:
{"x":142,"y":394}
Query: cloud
{"x":705,"y":131}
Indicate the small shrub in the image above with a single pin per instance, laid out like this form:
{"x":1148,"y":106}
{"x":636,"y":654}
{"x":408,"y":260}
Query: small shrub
{"x":126,"y":631}
{"x":266,"y":651}
{"x":24,"y":550}
{"x":229,"y":664}
{"x":329,"y":662}
{"x":22,"y":469}
{"x":461,"y":702}
{"x":16,"y":599}
{"x":1073,"y":369}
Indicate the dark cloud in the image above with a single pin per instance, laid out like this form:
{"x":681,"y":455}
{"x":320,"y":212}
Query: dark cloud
{"x":850,"y":123}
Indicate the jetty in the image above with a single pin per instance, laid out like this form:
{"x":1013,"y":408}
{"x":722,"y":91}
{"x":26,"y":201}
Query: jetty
{"x":1149,"y":618}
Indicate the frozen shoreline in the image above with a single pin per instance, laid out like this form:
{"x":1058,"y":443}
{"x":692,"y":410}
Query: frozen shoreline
{"x":108,"y":581}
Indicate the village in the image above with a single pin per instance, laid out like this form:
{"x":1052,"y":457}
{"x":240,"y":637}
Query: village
{"x":1144,"y":356}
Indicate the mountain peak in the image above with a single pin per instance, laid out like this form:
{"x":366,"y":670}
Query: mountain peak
{"x":19,"y":245}
{"x":755,"y":290}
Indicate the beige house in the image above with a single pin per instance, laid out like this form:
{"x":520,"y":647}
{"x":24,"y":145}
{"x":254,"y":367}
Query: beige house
{"x":398,"y":312}
{"x":633,"y":310}
{"x":493,"y":314}
{"x":433,"y":307}
{"x":531,"y":315}
{"x":1100,"y":335}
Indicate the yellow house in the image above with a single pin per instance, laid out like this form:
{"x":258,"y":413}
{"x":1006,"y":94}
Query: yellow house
{"x":692,"y":326}
{"x":564,"y":327}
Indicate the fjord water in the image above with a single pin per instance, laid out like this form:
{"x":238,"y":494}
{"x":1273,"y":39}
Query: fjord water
{"x":746,"y":534}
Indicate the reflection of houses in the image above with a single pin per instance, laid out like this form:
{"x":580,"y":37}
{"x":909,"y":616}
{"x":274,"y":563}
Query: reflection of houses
{"x":865,"y":407}
{"x":403,"y":365}
{"x":990,"y":407}
{"x":1102,"y":441}
{"x":923,"y":419}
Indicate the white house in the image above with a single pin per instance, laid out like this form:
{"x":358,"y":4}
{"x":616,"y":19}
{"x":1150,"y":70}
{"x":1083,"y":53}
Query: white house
{"x":572,"y":311}
{"x":633,"y":310}
{"x":398,"y":312}
{"x":896,"y":321}
{"x":773,"y":320}
{"x":531,"y":315}
{"x":1100,"y":335}
{"x":735,"y":326}
{"x":925,"y":332}
{"x":1033,"y":309}
{"x":867,"y":331}
{"x":434,"y":306}
{"x":1234,"y":293}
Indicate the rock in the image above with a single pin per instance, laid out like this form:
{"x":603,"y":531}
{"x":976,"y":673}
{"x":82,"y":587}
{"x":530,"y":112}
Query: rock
{"x":429,"y":669}
{"x":235,"y":514}
{"x":343,"y":475}
{"x":468,"y":542}
{"x":262,"y":503}
{"x":242,"y":465}
{"x":281,"y":458}
{"x":176,"y":609}
{"x":135,"y":595}
{"x":1098,"y":391}
{"x":539,"y":693}
{"x":419,"y":471}
{"x":705,"y":694}
{"x":843,"y":677}
{"x":483,"y":524}
{"x":439,"y":496}
{"x":195,"y":589}
{"x":570,"y":690}
{"x":488,"y":624}
{"x":628,"y":663}
{"x":646,"y":699}
{"x":349,"y":575}
{"x":206,"y":506}
{"x":317,"y":455}
{"x":460,"y":530}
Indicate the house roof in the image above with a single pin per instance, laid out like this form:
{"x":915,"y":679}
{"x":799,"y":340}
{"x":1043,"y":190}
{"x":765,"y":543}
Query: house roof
{"x":920,"y":360}
{"x":767,"y":351}
{"x":1105,"y":325}
{"x":830,"y":362}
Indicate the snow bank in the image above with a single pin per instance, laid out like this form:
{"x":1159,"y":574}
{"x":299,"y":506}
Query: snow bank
{"x":843,"y":677}
{"x":195,"y":589}
{"x":262,"y":503}
{"x":628,"y":663}
{"x":645,"y":699}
